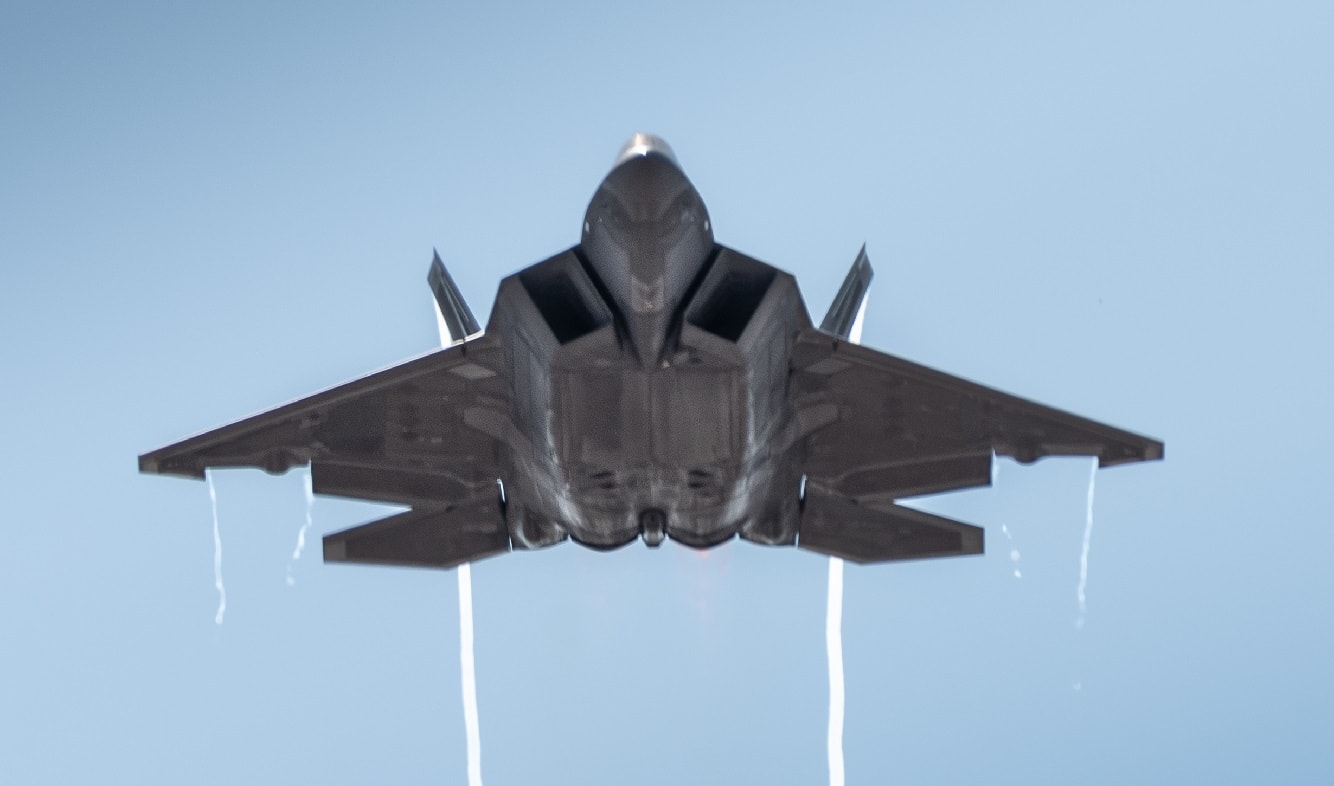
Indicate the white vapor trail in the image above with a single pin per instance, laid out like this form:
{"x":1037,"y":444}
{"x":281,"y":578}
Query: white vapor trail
{"x":833,"y":628}
{"x":833,"y":637}
{"x":1084,"y":554}
{"x":470,"y":723}
{"x":1014,"y":552}
{"x":467,"y":664}
{"x":301,"y":534}
{"x":217,"y":551}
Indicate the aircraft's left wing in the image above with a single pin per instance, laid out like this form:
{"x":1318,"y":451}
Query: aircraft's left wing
{"x":879,"y":427}
{"x":421,"y":432}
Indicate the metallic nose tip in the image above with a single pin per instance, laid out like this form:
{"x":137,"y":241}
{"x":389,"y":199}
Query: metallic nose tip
{"x":646,"y":145}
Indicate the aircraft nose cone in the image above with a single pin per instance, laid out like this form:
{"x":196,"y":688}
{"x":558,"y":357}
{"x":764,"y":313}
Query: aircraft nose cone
{"x":646,"y":236}
{"x":645,"y":183}
{"x":642,"y":145}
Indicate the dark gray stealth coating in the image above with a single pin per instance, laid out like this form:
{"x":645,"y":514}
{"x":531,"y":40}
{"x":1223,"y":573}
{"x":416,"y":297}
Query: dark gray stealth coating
{"x":650,"y":383}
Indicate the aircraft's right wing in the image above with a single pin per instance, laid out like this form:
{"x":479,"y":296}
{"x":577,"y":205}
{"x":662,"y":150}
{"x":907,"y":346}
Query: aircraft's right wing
{"x":879,"y":427}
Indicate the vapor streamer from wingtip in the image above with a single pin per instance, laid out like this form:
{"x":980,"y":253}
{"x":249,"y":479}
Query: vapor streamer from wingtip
{"x":217,"y":551}
{"x":1084,"y":552}
{"x":1014,"y":551}
{"x":467,"y":668}
{"x":1005,"y":530}
{"x":301,"y":534}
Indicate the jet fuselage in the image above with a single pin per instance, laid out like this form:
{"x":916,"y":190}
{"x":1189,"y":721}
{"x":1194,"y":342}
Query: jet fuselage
{"x":650,"y":382}
{"x":661,"y":405}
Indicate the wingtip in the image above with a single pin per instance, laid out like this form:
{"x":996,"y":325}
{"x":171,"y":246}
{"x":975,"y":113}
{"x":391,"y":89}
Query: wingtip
{"x":151,"y":464}
{"x":1151,"y":450}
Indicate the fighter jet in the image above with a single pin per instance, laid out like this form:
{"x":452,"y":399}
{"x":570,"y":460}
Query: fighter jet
{"x":650,"y":383}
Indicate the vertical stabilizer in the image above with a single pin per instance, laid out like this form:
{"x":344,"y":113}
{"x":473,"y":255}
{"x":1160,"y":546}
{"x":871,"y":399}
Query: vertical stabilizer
{"x":455,"y":315}
{"x":843,"y":311}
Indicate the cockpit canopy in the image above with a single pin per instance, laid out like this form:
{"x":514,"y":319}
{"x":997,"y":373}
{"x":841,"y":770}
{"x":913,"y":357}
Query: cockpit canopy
{"x":647,"y":236}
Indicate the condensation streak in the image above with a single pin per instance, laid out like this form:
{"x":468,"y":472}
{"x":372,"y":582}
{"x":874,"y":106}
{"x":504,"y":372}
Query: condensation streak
{"x":834,"y":649}
{"x":301,"y":534}
{"x":467,"y":667}
{"x":1014,"y":552}
{"x":1084,"y":553}
{"x":217,"y":551}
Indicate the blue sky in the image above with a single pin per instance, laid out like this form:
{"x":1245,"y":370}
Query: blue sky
{"x":1119,"y":209}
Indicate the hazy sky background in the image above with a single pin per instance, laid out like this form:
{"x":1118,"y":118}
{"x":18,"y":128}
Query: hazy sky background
{"x":1123,"y":209}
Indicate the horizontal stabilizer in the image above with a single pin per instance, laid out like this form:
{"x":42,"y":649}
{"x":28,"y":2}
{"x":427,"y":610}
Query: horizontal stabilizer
{"x":454,"y":312}
{"x":839,"y":527}
{"x":427,"y":538}
{"x":848,"y":301}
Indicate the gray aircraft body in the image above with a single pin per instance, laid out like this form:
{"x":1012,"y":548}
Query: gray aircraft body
{"x":650,"y":383}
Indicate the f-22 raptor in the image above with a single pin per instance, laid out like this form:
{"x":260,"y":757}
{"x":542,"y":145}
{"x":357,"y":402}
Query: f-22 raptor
{"x":650,"y":383}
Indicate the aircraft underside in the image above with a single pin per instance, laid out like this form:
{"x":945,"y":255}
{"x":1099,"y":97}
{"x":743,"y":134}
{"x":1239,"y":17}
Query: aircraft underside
{"x":649,"y":383}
